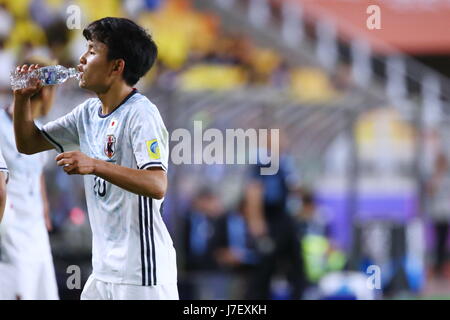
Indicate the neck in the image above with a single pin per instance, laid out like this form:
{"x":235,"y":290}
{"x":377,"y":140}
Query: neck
{"x":112,"y":98}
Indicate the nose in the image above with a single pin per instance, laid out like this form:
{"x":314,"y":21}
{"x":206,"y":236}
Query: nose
{"x":83,"y":58}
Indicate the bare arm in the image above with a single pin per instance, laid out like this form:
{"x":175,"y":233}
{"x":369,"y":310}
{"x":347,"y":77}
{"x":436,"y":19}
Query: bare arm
{"x":29,"y":139}
{"x":150,"y":183}
{"x":2,"y":194}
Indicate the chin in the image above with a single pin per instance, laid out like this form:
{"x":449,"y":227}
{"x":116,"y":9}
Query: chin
{"x":82,"y":84}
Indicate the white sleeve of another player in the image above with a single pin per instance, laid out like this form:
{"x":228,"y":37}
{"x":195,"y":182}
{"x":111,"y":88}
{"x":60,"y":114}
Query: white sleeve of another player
{"x":149,"y":139}
{"x":3,"y":167}
{"x":62,"y":133}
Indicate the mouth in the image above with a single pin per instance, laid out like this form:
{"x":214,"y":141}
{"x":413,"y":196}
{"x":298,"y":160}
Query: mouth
{"x":80,"y":69}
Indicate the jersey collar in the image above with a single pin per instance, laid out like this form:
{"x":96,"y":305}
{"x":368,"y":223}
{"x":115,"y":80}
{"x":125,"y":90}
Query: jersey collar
{"x":122,"y":103}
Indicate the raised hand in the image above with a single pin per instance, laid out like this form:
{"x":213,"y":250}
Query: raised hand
{"x":34,"y":84}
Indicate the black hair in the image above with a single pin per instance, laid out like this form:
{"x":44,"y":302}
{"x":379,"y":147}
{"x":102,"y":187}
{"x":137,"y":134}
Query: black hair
{"x":125,"y":40}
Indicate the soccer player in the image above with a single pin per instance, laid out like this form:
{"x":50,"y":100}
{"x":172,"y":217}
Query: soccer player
{"x":123,"y":155}
{"x":25,"y":246}
{"x":3,"y":180}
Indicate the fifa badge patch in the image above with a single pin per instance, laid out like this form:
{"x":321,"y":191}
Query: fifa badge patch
{"x":153,"y":149}
{"x":110,"y":145}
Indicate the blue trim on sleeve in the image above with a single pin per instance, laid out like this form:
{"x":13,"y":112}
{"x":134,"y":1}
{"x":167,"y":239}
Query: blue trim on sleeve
{"x":53,"y":141}
{"x":153,"y":164}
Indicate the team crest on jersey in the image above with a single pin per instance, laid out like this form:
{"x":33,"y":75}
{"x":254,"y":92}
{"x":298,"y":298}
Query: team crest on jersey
{"x":153,"y":149}
{"x":110,"y":145}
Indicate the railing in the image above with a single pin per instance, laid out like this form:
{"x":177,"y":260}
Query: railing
{"x":400,"y":70}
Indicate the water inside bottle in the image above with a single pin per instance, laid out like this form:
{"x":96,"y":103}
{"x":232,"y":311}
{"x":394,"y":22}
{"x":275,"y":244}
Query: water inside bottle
{"x":50,"y":75}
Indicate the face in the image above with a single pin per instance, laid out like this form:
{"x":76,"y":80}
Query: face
{"x":98,"y":71}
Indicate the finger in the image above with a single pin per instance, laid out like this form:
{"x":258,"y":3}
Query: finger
{"x":64,"y":162}
{"x":35,"y":67}
{"x":24,"y":68}
{"x":39,"y":84}
{"x":63,"y":155}
{"x":70,"y":169}
{"x":34,"y":83}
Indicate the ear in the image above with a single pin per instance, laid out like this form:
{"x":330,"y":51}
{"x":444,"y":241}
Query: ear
{"x":119,"y":66}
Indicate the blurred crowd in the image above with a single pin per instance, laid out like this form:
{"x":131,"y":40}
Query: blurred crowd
{"x":195,"y":53}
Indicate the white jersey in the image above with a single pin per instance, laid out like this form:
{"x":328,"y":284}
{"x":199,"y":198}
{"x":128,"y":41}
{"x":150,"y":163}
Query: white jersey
{"x":131,"y":244}
{"x":3,"y":167}
{"x":24,"y":215}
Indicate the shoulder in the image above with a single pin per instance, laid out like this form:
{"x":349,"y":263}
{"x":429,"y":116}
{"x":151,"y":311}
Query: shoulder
{"x":91,"y":104}
{"x":140,"y":105}
{"x":85,"y":107}
{"x":88,"y":106}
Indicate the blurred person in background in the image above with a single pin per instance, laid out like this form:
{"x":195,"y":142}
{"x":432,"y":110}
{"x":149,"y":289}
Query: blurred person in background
{"x":3,"y":181}
{"x":439,"y":192}
{"x":273,"y":227}
{"x":204,"y":279}
{"x":25,"y":245}
{"x":7,"y":56}
{"x":235,"y":252}
{"x":319,"y":254}
{"x":310,"y":219}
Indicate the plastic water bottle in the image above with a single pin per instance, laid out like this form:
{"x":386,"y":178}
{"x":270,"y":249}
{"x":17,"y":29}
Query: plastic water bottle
{"x":50,"y":75}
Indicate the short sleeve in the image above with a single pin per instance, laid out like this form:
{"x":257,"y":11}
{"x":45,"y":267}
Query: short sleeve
{"x":149,"y":139}
{"x":62,"y":133}
{"x":3,"y":167}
